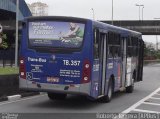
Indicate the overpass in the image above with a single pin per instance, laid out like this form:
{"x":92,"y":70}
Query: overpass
{"x":146,"y":27}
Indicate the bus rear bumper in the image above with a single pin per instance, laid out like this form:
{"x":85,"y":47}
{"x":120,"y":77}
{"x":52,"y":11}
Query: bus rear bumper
{"x":83,"y":89}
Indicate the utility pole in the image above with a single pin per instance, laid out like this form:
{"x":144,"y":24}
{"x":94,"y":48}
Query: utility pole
{"x":112,"y":12}
{"x":139,"y":10}
{"x":16,"y":42}
{"x":142,"y":12}
{"x":156,"y":40}
{"x":93,"y":14}
{"x":156,"y":35}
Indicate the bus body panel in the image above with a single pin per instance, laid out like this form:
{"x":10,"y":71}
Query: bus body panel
{"x":45,"y":87}
{"x":57,"y":71}
{"x":95,"y":78}
{"x":48,"y":71}
{"x":116,"y":72}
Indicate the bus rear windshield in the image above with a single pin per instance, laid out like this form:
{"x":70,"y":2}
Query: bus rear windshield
{"x":56,"y":34}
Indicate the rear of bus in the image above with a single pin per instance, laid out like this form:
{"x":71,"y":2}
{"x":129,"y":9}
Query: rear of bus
{"x":53,"y":59}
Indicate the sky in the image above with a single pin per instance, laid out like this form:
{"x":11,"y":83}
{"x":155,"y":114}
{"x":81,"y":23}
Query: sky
{"x":123,"y":9}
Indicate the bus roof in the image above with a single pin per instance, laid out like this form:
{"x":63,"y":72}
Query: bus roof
{"x":57,"y":18}
{"x":113,"y":28}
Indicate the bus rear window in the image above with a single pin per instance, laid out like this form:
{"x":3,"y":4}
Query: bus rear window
{"x":56,"y":34}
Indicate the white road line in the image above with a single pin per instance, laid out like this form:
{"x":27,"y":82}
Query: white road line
{"x":145,"y":111}
{"x":9,"y":102}
{"x":140,"y":102}
{"x":155,"y":98}
{"x":148,"y":103}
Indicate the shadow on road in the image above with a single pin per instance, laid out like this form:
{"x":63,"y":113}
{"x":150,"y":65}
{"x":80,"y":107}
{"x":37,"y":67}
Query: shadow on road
{"x":75,"y":102}
{"x":71,"y":102}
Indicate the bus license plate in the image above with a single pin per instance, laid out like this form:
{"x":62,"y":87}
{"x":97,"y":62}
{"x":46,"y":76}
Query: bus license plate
{"x":53,"y":79}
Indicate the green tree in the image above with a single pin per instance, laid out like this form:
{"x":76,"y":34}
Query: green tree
{"x":158,"y":54}
{"x":4,"y":43}
{"x":150,"y":52}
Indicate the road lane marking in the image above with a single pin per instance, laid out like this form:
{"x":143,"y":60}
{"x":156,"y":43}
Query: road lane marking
{"x":155,"y":98}
{"x":145,"y":111}
{"x":9,"y":102}
{"x":148,"y":103}
{"x":134,"y":106}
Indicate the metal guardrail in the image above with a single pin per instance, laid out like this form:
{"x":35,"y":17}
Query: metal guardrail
{"x":146,"y":62}
{"x":7,"y":57}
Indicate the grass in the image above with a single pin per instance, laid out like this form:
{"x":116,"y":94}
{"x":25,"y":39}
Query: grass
{"x":8,"y":70}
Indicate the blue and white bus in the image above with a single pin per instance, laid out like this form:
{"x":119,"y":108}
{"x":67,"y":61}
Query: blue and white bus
{"x":67,"y":55}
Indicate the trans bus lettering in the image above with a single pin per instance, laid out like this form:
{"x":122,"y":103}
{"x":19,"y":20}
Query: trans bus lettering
{"x":66,"y":55}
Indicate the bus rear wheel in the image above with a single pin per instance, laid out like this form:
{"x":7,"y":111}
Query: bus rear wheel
{"x":107,"y":98}
{"x":130,"y":88}
{"x":57,"y":96}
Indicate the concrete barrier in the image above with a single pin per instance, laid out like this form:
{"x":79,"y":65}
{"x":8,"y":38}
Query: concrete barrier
{"x":9,"y":85}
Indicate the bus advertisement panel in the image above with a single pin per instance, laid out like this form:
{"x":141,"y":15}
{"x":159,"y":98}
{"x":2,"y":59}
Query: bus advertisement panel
{"x":56,"y":34}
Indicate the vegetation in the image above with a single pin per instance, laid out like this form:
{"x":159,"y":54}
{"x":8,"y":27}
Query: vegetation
{"x":8,"y":70}
{"x":158,"y":54}
{"x":150,"y":53}
{"x":4,"y":43}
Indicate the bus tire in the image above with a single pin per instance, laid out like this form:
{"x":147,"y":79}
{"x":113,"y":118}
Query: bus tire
{"x":130,"y":88}
{"x":107,"y":98}
{"x":57,"y":96}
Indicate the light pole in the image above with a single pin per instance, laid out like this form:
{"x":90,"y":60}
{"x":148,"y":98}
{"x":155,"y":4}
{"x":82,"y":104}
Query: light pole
{"x":156,"y":40}
{"x":93,"y":13}
{"x":16,"y":42}
{"x":112,"y":12}
{"x":139,"y":10}
{"x":156,"y":35}
{"x":142,"y":12}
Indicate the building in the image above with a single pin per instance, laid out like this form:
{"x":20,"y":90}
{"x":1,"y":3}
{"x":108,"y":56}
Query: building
{"x":38,"y":9}
{"x":8,"y":25}
{"x":8,"y":17}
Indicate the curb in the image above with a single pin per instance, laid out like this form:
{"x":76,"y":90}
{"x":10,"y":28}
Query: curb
{"x":18,"y":96}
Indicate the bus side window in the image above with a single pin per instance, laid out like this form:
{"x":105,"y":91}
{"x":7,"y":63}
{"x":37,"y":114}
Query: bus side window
{"x":129,"y":47}
{"x":132,"y":48}
{"x":135,"y":46}
{"x":117,"y":45}
{"x":114,"y":45}
{"x":110,"y":47}
{"x":96,"y":44}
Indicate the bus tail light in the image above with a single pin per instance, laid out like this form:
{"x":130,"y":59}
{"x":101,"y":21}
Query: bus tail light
{"x":22,"y":69}
{"x":86,"y":74}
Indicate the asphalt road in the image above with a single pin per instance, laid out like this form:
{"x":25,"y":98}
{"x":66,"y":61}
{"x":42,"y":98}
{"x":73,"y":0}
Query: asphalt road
{"x":79,"y":104}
